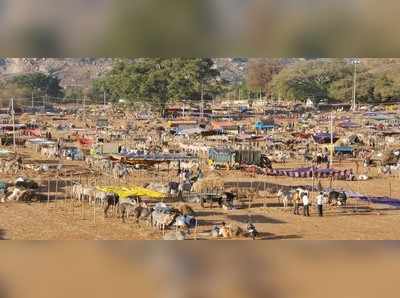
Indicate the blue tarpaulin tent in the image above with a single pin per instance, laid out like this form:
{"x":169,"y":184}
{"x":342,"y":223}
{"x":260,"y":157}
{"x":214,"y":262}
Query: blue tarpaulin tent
{"x":324,"y":138}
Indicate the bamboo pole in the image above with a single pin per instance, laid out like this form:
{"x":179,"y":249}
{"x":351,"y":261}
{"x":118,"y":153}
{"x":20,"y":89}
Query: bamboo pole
{"x":55,"y":194}
{"x":48,"y":194}
{"x":94,"y":207}
{"x":66,"y":189}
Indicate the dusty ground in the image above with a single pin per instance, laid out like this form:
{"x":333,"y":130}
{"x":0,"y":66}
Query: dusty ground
{"x":59,"y":220}
{"x":360,"y":220}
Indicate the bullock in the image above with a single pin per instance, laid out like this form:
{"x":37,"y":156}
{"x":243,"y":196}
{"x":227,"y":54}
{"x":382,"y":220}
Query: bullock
{"x":224,"y":200}
{"x":16,"y":194}
{"x":128,"y":206}
{"x":163,"y":216}
{"x":184,"y":222}
{"x":120,"y":171}
{"x":143,"y":212}
{"x":81,"y":193}
{"x":337,"y":198}
{"x":286,"y":197}
{"x":112,"y":199}
{"x":185,"y":209}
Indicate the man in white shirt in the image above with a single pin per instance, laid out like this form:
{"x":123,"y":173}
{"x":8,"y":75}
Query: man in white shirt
{"x":306,"y":209}
{"x":320,"y":202}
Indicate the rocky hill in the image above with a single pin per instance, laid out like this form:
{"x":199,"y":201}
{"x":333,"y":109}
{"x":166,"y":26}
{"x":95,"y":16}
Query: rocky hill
{"x":71,"y":71}
{"x":80,"y":71}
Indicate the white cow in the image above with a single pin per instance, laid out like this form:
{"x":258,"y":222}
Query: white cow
{"x":285,"y":196}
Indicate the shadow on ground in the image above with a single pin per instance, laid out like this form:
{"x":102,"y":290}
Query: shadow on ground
{"x":255,"y":219}
{"x":208,"y":213}
{"x":2,"y":237}
{"x":271,"y":236}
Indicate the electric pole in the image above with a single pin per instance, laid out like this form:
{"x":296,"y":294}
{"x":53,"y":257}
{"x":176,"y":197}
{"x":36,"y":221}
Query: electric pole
{"x":202,"y":101}
{"x":104,"y":98}
{"x":355,"y":62}
{"x":13,"y":122}
{"x":84,"y":107}
{"x":332,"y":149}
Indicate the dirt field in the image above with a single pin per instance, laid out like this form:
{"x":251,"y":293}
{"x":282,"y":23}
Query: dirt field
{"x":62,"y":221}
{"x":359,"y":220}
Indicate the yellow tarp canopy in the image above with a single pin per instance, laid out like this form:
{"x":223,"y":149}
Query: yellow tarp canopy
{"x":124,"y":192}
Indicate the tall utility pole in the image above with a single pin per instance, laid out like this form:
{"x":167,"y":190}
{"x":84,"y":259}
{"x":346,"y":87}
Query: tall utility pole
{"x":332,"y":149}
{"x":32,"y":100}
{"x":13,"y":122}
{"x":84,"y":107}
{"x":354,"y":62}
{"x":202,"y":101}
{"x":104,"y":98}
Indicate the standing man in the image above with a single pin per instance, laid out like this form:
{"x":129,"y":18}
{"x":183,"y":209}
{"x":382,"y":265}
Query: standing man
{"x":19,"y":162}
{"x":320,"y":200}
{"x":306,"y":209}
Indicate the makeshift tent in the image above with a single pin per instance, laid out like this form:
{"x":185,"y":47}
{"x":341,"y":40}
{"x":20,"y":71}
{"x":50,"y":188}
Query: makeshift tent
{"x":221,"y":156}
{"x":309,"y":172}
{"x":343,"y":150}
{"x":124,"y":192}
{"x":348,"y":124}
{"x":159,"y":157}
{"x":265,"y":125}
{"x":85,"y":141}
{"x":33,"y":132}
{"x":375,"y":200}
{"x":249,"y":157}
{"x":324,"y":138}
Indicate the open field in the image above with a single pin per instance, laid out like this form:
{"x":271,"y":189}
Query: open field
{"x":59,"y":216}
{"x":59,"y":220}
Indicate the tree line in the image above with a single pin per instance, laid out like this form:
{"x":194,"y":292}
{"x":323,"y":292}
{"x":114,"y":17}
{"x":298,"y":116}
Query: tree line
{"x":377,"y":80}
{"x":158,"y":81}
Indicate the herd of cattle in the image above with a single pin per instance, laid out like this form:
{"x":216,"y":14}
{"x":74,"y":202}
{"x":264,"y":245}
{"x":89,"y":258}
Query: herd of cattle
{"x":158,"y":215}
{"x":333,"y":197}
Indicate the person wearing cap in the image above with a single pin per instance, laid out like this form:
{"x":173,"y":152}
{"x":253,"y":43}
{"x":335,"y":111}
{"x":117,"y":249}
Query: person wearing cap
{"x":320,"y":200}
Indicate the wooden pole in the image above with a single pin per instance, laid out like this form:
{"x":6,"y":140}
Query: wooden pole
{"x":55,"y":194}
{"x":195,"y":231}
{"x":48,"y":194}
{"x":94,"y":209}
{"x":66,"y":189}
{"x":72,"y":202}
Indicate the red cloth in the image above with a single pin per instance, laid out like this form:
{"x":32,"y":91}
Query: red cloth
{"x":85,"y":141}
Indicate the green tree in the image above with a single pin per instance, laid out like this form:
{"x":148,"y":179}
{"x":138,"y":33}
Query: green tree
{"x":387,"y":87}
{"x":323,"y":79}
{"x":158,"y":81}
{"x":39,"y":82}
{"x":261,"y":72}
{"x":11,"y":90}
